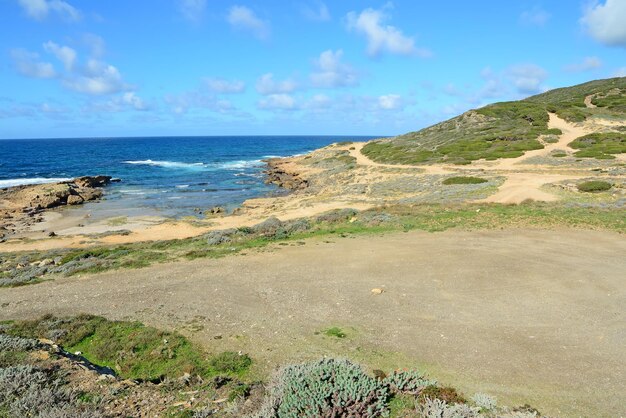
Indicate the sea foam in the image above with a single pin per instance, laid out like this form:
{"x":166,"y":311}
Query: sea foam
{"x":167,"y":164}
{"x":34,"y":180}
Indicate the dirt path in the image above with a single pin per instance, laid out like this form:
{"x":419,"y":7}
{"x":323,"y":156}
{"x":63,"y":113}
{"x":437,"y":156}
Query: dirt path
{"x":588,"y":103}
{"x":528,"y":316}
{"x":521,"y":182}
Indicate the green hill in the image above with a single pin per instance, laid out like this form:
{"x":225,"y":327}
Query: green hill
{"x":503,"y":130}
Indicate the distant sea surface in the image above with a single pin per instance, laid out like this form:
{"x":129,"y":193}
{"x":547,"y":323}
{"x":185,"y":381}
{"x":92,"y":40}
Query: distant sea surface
{"x":167,"y":176}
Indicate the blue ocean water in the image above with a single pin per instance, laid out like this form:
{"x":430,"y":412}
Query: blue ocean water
{"x":169,"y":176}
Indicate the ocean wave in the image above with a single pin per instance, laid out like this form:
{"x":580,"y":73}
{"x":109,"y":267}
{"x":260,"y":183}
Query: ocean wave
{"x":34,"y":180}
{"x":239,"y":164}
{"x":182,"y":186}
{"x":167,"y":164}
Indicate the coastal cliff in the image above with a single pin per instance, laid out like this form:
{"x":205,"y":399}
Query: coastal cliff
{"x":21,"y":206}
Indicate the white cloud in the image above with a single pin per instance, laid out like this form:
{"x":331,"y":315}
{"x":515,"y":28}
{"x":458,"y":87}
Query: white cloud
{"x":220,"y":85}
{"x":319,"y":13}
{"x":620,"y":72}
{"x":182,"y":103}
{"x":278,"y":102}
{"x":319,"y":101}
{"x":527,"y":78}
{"x":381,"y":37}
{"x":266,"y":85}
{"x":131,"y":99}
{"x":331,"y":72}
{"x":123,"y":102}
{"x":589,"y":63}
{"x":65,"y":54}
{"x":95,"y":44}
{"x":243,"y":18}
{"x":192,"y":10}
{"x":28,"y":64}
{"x":40,"y":9}
{"x":97,"y":78}
{"x":390,"y":102}
{"x":607,"y":22}
{"x":535,"y":17}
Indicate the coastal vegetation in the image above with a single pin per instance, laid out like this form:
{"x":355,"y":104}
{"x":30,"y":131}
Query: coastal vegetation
{"x":505,"y":130}
{"x":464,"y":180}
{"x":602,"y":146}
{"x":594,"y":186}
{"x":32,"y":267}
{"x":117,"y":364}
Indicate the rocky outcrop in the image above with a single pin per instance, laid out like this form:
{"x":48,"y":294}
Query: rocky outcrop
{"x":21,"y":206}
{"x":278,"y":174}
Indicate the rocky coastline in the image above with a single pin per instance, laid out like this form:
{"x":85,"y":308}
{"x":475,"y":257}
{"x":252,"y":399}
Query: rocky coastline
{"x":22,"y":206}
{"x":281,"y":173}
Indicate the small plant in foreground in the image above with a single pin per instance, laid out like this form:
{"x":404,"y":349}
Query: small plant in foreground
{"x":485,"y":402}
{"x":594,"y":186}
{"x":464,"y":180}
{"x":436,"y":408}
{"x":325,"y":388}
{"x":408,"y":381}
{"x":335,"y":332}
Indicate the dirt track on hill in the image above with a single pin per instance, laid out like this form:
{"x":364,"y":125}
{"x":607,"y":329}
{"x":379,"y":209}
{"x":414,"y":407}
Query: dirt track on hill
{"x":529,"y":316}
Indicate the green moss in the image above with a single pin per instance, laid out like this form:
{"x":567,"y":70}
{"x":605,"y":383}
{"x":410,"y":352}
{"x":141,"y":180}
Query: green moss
{"x":464,"y":180}
{"x":230,"y":362}
{"x":131,"y":349}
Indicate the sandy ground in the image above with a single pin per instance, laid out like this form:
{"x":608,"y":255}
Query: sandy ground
{"x":526,"y":315}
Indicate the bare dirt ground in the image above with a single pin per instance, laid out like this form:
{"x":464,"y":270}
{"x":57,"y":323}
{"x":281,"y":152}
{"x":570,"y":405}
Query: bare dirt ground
{"x":526,"y":315}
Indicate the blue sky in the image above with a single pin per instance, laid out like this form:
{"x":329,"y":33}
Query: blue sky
{"x":219,"y":67}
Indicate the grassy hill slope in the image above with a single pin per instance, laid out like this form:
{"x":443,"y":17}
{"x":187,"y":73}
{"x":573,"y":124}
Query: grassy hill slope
{"x":502,"y":130}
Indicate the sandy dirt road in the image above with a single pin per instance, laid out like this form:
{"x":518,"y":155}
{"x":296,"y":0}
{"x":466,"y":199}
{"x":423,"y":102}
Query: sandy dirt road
{"x":526,"y":315}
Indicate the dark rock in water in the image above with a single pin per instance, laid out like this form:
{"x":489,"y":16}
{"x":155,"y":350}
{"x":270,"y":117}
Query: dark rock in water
{"x":215,"y":210}
{"x":92,"y":181}
{"x":115,"y":180}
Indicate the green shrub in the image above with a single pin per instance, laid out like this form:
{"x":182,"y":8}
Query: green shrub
{"x":594,"y":186}
{"x":464,"y":180}
{"x":408,"y":381}
{"x":600,"y":145}
{"x":559,"y":154}
{"x":325,"y":388}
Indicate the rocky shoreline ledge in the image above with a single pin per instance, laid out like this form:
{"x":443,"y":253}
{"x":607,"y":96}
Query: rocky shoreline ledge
{"x":278,"y":172}
{"x":21,"y":206}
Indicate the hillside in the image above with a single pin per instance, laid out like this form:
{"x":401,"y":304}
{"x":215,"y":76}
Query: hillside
{"x":508,"y":129}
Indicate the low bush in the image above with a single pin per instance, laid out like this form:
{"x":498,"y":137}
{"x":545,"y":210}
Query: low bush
{"x":325,"y":388}
{"x":464,"y":180}
{"x":594,"y":186}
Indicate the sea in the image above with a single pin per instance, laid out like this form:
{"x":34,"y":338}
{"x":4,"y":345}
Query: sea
{"x":160,"y":176}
